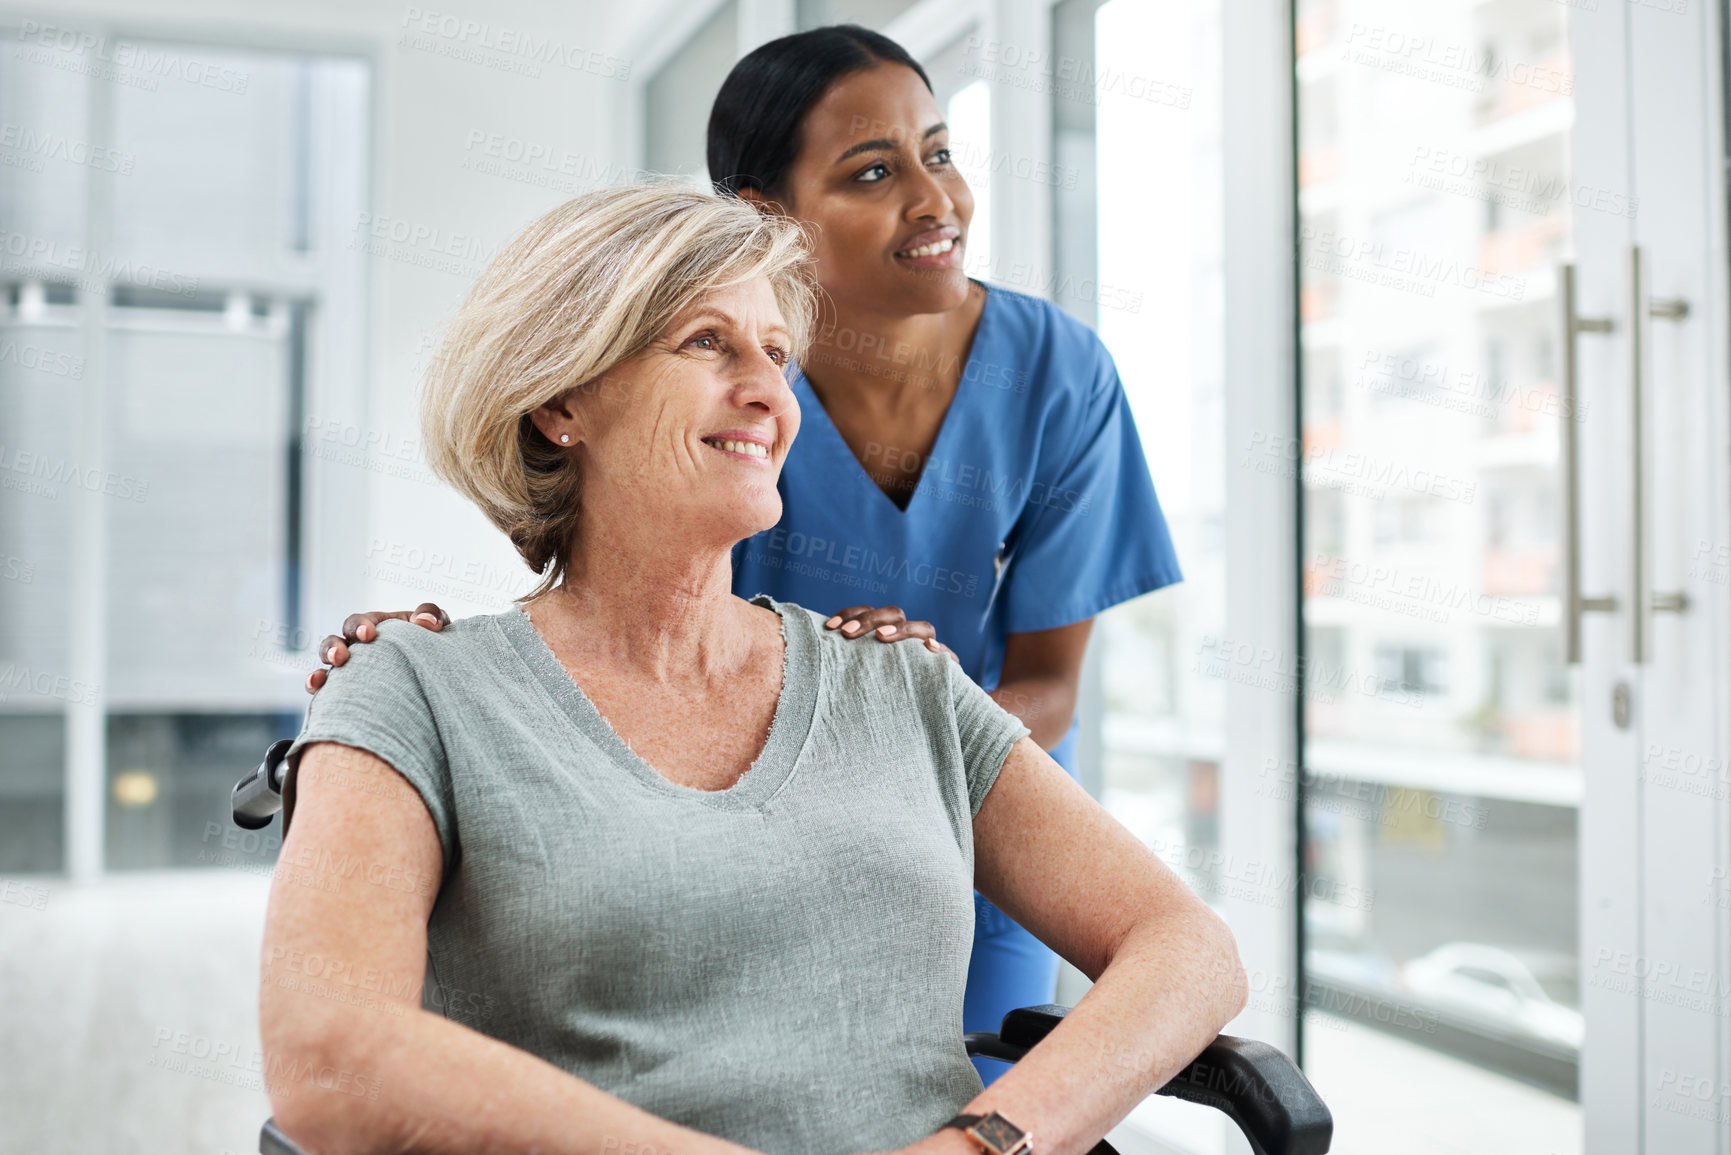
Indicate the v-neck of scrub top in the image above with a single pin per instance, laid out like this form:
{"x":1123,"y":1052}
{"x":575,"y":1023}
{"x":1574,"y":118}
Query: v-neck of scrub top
{"x":812,"y":408}
{"x":795,"y":709}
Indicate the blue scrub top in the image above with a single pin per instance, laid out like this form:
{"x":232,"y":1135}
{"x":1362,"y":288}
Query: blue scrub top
{"x":1034,"y":510}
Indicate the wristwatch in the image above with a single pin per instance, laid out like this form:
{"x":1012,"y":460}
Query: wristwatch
{"x":995,"y":1134}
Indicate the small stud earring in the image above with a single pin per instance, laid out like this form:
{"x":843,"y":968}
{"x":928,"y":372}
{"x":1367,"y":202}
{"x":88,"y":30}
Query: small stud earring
{"x":564,"y":439}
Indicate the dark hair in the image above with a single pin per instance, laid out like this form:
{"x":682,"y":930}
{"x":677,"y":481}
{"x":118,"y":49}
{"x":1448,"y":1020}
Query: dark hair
{"x":755,"y":123}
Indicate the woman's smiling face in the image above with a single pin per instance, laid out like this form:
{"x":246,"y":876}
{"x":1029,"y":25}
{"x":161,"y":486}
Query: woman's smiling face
{"x":891,"y":212}
{"x":692,"y":431}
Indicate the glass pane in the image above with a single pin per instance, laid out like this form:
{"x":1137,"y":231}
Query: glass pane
{"x":207,"y":386}
{"x":32,"y":792}
{"x":201,"y":420}
{"x":169,"y":778}
{"x":42,"y":375}
{"x":1440,"y":748}
{"x":175,"y":220}
{"x":969,"y":115}
{"x":1157,"y":294}
{"x":42,"y":190}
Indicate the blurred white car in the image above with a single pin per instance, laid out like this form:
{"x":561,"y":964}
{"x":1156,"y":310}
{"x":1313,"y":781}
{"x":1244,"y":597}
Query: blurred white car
{"x":1487,"y":984}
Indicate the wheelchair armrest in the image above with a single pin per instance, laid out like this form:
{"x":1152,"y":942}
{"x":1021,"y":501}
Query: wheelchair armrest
{"x":257,"y":797}
{"x":1262,"y":1091}
{"x":273,"y":1142}
{"x":1251,"y":1082}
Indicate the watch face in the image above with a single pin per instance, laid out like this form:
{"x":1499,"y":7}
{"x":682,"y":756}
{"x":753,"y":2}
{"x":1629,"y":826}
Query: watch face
{"x":1002,"y":1134}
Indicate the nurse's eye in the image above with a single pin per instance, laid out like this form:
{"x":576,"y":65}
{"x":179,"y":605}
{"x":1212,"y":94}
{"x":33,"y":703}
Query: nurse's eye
{"x":864,"y":175}
{"x":940,"y":157}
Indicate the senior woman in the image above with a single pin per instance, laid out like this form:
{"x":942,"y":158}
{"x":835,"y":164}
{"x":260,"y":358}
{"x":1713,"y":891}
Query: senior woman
{"x":682,"y":872}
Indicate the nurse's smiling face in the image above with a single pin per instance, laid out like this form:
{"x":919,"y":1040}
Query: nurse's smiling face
{"x":692,"y":432}
{"x":891,"y":212}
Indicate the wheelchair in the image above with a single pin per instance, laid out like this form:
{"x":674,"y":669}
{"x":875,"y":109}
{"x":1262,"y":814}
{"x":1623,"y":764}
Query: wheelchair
{"x":1256,"y":1086}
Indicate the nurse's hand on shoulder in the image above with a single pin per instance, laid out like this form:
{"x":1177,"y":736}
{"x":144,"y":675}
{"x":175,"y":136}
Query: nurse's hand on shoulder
{"x":334,"y":650}
{"x":889,"y":624}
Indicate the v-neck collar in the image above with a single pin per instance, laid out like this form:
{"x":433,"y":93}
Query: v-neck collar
{"x":838,"y":444}
{"x":795,"y":710}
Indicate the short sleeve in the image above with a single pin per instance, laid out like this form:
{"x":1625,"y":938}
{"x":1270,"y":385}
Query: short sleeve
{"x":375,"y":702}
{"x":987,"y":732}
{"x":1093,"y":533}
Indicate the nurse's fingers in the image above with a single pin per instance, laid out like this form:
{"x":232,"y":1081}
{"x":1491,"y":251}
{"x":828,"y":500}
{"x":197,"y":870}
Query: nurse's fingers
{"x":938,"y":647}
{"x":858,"y":621}
{"x":842,"y":616}
{"x":365,"y":627}
{"x":870,"y":620}
{"x":901,"y":631}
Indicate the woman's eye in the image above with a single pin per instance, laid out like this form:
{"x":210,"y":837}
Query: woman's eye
{"x":865,"y":175}
{"x":942,"y":156}
{"x":779,"y":356}
{"x":701,"y":339}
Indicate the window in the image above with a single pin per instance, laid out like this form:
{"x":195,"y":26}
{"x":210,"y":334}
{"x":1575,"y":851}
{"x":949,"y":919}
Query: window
{"x":190,"y":265}
{"x":1411,"y":670}
{"x":1328,"y":526}
{"x":1142,"y":225}
{"x":1409,"y":521}
{"x":969,"y":115}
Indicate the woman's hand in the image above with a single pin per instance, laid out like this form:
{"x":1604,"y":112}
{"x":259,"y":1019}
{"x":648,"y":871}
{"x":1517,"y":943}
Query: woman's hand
{"x":334,"y":650}
{"x":889,"y":624}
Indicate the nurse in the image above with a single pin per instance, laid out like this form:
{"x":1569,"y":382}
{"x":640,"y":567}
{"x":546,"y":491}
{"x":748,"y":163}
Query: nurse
{"x":967,"y":455}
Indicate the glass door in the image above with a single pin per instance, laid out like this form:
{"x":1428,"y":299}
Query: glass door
{"x":1513,"y":467}
{"x":1442,"y":731}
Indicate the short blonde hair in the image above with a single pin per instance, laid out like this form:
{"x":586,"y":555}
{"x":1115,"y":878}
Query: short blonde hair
{"x":582,"y":289}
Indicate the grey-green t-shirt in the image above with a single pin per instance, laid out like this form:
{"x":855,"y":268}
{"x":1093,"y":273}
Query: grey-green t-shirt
{"x":780,"y":963}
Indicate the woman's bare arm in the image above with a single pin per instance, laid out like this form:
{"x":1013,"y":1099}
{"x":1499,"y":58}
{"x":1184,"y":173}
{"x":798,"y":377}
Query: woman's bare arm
{"x":348,"y":913}
{"x":1166,"y":971}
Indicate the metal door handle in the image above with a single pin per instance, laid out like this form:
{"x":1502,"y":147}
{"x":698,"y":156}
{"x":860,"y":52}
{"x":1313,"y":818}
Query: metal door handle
{"x":1641,"y":308}
{"x":1574,"y":604}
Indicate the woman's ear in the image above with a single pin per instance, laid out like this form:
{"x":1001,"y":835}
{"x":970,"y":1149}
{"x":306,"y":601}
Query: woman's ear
{"x":556,"y":421}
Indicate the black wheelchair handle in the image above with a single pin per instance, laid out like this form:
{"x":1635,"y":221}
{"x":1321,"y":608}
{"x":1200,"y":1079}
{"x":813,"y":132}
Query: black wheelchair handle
{"x":258,"y":796}
{"x":271,"y":1141}
{"x":1262,"y":1091}
{"x":1251,"y":1082}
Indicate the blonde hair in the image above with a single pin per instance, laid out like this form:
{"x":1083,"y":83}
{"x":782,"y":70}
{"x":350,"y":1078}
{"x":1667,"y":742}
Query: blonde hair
{"x":583,"y":288}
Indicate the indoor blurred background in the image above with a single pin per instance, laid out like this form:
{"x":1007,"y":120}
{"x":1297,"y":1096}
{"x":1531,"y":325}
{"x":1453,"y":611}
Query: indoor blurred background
{"x":228,"y":232}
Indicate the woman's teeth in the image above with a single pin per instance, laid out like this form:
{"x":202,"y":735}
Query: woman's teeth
{"x":930,"y":250}
{"x":749,"y":448}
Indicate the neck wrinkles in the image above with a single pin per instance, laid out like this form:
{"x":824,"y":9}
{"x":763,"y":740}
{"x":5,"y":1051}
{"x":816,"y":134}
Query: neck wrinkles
{"x":652,"y":610}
